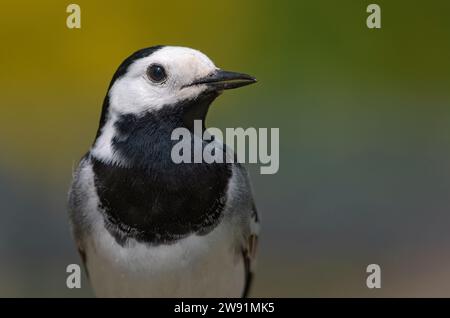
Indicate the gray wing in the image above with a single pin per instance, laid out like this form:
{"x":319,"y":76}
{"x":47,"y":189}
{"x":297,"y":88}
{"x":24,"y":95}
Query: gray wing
{"x":242,"y":203}
{"x":249,"y":254}
{"x":77,"y":200}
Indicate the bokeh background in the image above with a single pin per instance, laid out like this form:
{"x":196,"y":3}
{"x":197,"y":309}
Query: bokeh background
{"x":364,"y":118}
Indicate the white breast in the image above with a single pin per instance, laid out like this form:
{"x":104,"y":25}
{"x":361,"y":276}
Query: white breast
{"x":197,"y":266}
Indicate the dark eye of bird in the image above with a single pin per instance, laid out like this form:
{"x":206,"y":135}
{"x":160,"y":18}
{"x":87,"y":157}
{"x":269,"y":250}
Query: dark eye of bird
{"x":156,"y":73}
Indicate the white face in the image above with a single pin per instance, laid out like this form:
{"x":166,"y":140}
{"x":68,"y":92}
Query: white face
{"x":136,"y":92}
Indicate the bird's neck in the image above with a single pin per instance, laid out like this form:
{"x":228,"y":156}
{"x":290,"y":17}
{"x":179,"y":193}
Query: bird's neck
{"x":144,"y":140}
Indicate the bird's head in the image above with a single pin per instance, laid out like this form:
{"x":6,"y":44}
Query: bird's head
{"x":158,"y":89}
{"x":164,"y":76}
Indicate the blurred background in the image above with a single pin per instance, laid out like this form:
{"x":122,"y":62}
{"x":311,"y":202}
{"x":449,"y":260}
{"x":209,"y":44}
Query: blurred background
{"x":364,"y":118}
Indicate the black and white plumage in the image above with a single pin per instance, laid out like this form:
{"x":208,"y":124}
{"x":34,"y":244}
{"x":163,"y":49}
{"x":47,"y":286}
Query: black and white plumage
{"x":144,"y":225}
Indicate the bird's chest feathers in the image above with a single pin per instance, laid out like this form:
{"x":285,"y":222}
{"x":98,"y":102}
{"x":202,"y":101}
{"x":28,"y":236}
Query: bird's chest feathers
{"x":153,"y":199}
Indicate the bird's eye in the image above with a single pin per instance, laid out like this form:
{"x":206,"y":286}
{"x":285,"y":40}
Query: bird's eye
{"x":156,"y":73}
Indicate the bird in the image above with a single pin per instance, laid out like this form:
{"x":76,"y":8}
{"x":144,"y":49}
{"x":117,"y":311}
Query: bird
{"x":145,"y":226}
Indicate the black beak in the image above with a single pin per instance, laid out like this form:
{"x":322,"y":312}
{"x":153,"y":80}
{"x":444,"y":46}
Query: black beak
{"x":221,"y":80}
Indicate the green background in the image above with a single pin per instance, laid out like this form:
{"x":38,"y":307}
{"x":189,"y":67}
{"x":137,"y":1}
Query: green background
{"x":364,"y":119}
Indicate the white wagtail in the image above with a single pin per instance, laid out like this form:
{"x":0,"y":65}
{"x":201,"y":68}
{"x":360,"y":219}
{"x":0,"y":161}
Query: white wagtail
{"x":144,"y":225}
